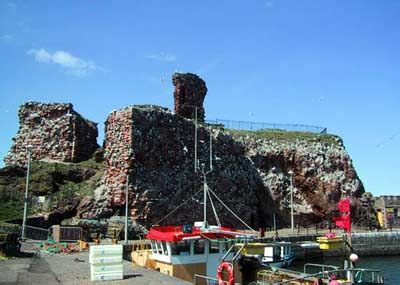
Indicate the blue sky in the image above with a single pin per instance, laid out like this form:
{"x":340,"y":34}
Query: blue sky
{"x":329,"y":63}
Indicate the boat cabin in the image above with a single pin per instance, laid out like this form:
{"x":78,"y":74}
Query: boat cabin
{"x":183,"y":251}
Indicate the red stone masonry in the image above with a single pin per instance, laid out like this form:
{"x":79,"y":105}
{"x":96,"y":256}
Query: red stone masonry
{"x":190,"y":91}
{"x":118,"y":152}
{"x":55,"y":131}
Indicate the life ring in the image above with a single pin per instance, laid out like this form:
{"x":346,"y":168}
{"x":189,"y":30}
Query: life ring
{"x":228,"y":267}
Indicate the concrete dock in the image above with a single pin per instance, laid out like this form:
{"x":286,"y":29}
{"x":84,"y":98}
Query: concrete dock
{"x":73,"y":269}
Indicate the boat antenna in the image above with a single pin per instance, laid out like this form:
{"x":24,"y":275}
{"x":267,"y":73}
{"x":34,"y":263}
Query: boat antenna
{"x":195,"y":140}
{"x":211,"y":166}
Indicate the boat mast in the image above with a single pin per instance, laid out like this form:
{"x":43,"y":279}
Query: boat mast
{"x":205,"y":186}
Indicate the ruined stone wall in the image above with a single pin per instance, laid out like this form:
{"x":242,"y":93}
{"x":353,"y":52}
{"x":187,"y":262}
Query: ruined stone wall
{"x":250,"y":174}
{"x":55,"y":131}
{"x":156,"y":148}
{"x":190,"y":91}
{"x":118,"y":154}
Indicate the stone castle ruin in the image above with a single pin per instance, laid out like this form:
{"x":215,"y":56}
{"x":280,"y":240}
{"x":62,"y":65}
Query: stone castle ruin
{"x":154,"y":149}
{"x":55,"y":132}
{"x":189,"y":94}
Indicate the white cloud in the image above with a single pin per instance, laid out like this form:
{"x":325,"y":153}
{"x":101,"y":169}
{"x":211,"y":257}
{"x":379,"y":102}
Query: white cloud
{"x":6,"y":38}
{"x":12,"y":5}
{"x":268,"y":4}
{"x":74,"y":65}
{"x":163,"y":56}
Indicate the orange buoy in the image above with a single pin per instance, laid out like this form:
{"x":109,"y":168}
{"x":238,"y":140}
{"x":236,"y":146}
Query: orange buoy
{"x":228,"y":267}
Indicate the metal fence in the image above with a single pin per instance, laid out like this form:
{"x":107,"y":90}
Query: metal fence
{"x":35,"y":233}
{"x":9,"y":228}
{"x":254,"y":126}
{"x":70,"y":233}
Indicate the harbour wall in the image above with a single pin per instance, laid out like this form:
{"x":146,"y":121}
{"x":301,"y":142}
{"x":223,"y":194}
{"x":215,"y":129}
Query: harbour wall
{"x":383,"y":243}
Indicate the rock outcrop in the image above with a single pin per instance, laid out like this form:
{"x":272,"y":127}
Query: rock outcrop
{"x":55,"y":132}
{"x":189,"y":94}
{"x":318,"y":167}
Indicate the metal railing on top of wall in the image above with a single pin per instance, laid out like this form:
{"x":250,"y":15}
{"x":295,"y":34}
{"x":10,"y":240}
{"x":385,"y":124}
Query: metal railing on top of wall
{"x":254,"y":126}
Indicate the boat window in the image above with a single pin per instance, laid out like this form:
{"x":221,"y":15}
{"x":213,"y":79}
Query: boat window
{"x":159,"y":247}
{"x":180,"y":248}
{"x":277,"y":252}
{"x":153,"y":246}
{"x":199,"y":246}
{"x":214,"y":247}
{"x":174,"y":249}
{"x":165,"y":248}
{"x":227,"y":245}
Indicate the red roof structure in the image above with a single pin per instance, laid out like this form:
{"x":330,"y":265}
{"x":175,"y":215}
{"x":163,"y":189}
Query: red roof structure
{"x":176,"y":233}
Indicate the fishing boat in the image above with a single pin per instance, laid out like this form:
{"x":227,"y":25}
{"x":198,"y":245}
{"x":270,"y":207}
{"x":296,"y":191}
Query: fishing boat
{"x":276,"y":254}
{"x":183,"y":251}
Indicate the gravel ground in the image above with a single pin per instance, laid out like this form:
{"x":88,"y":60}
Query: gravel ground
{"x":68,"y":269}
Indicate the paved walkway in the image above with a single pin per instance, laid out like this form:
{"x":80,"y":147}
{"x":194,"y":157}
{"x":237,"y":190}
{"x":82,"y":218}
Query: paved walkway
{"x":72,"y":269}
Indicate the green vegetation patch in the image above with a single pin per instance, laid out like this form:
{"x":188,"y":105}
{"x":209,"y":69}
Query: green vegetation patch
{"x":55,"y":180}
{"x":282,"y":135}
{"x":11,"y":210}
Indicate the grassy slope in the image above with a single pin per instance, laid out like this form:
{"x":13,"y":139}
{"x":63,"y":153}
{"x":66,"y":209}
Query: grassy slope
{"x":48,"y":178}
{"x":286,"y":136}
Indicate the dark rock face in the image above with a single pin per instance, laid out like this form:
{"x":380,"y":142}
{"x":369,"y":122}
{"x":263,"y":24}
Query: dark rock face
{"x":55,"y":131}
{"x":190,"y":91}
{"x":323,"y":173}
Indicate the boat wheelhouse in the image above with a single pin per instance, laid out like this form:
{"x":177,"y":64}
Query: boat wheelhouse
{"x":183,"y":251}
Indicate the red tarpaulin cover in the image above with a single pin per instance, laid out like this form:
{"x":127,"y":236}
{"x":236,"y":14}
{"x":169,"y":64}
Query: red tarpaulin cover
{"x":175,"y":233}
{"x":343,"y":222}
{"x":344,"y":205}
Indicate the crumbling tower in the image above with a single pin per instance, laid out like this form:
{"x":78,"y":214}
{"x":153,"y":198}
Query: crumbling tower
{"x":189,"y":94}
{"x":55,"y":132}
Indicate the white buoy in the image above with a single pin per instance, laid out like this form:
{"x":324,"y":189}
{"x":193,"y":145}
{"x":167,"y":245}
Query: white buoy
{"x":353,"y":257}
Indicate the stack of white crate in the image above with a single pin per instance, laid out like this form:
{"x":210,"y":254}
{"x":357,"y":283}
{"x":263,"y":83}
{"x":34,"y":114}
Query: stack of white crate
{"x":106,"y":262}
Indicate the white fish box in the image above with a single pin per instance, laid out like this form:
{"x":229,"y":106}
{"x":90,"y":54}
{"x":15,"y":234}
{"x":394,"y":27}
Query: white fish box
{"x":105,"y":259}
{"x":106,"y":262}
{"x":106,"y":268}
{"x":102,"y":250}
{"x":106,"y":276}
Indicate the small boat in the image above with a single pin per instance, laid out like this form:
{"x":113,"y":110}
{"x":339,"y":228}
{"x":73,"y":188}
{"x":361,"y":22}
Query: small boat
{"x":276,"y":254}
{"x":321,"y":274}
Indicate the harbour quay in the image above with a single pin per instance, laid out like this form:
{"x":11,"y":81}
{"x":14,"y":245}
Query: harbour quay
{"x":364,"y":243}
